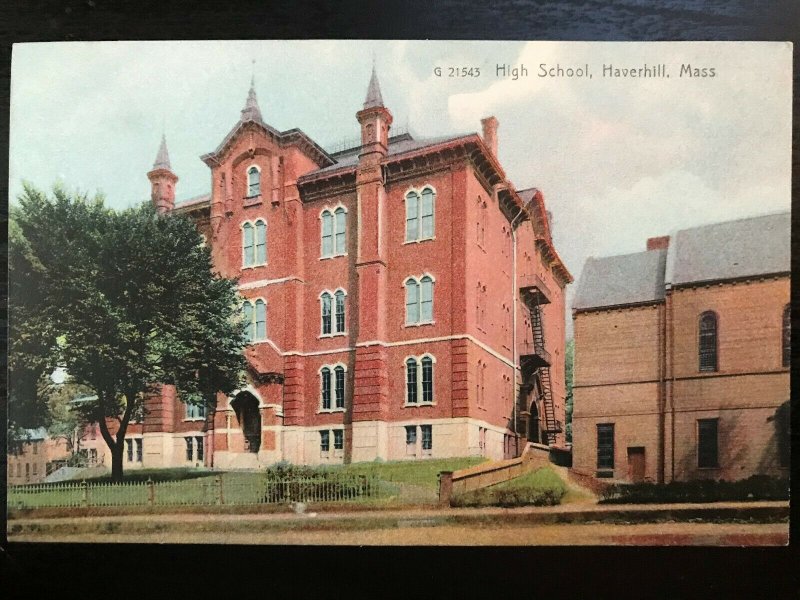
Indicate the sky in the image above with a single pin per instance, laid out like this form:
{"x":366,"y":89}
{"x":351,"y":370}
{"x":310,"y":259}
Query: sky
{"x":617,"y":159}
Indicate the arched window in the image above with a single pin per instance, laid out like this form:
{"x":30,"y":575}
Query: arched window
{"x":326,"y":313}
{"x":325,"y":374}
{"x":248,"y":245}
{"x":327,"y":233}
{"x":340,"y":223}
{"x":411,"y":381}
{"x":253,"y":181}
{"x":787,"y":336}
{"x":427,"y":379}
{"x":412,"y":216}
{"x":261,"y":242}
{"x":426,"y":300}
{"x":339,"y":389}
{"x":419,"y":389}
{"x":708,"y":341}
{"x":247,"y":315}
{"x":261,"y":320}
{"x":427,"y":212}
{"x":420,"y":215}
{"x":412,"y":301}
{"x":334,"y":232}
{"x":339,"y":311}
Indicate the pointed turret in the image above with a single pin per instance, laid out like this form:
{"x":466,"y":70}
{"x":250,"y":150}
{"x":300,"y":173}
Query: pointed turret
{"x":162,"y":180}
{"x":374,"y":97}
{"x":251,"y":111}
{"x":162,"y":158}
{"x":375,"y":120}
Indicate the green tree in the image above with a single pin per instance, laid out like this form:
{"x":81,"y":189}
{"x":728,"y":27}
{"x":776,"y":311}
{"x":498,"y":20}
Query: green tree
{"x":64,"y":421}
{"x":129,"y":302}
{"x":569,"y":355}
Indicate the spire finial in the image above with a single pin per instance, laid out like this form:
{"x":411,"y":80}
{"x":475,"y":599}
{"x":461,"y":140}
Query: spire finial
{"x":374,"y":97}
{"x":162,"y":158}
{"x":251,"y":111}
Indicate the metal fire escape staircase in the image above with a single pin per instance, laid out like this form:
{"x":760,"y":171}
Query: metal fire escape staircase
{"x":535,"y":361}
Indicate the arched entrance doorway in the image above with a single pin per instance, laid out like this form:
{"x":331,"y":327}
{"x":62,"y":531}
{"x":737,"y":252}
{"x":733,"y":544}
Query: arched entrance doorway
{"x":245,"y":405}
{"x":533,"y":424}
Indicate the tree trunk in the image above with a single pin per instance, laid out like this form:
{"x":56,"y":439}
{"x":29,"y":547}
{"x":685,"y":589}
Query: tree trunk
{"x":117,"y":452}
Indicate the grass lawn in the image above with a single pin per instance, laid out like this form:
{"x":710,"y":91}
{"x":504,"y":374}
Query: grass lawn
{"x":542,"y":487}
{"x":182,"y":486}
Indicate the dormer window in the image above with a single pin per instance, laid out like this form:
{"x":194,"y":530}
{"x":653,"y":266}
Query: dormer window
{"x":253,"y":181}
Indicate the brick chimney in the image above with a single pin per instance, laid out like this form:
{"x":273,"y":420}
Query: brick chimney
{"x":490,"y":125}
{"x":658,"y":243}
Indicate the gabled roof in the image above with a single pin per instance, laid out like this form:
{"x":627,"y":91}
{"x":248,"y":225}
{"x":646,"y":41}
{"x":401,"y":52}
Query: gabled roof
{"x":621,"y":280}
{"x":731,"y":250}
{"x":740,"y":249}
{"x":194,"y":202}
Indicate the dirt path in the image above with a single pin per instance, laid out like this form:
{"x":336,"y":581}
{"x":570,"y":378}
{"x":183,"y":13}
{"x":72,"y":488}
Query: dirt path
{"x":650,"y":534}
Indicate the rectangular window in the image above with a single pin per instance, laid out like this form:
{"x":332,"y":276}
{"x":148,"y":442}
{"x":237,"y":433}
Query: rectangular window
{"x":412,"y":302}
{"x":138,"y":449}
{"x":324,"y":441}
{"x":326,"y":314}
{"x":129,"y":448}
{"x":411,"y":440}
{"x":189,"y":451}
{"x":261,"y":320}
{"x":339,"y":312}
{"x":427,"y":213}
{"x":707,"y":449}
{"x":261,"y":242}
{"x":340,"y":231}
{"x":339,"y":371}
{"x":199,"y":441}
{"x":427,"y":380}
{"x":426,"y":304}
{"x":412,"y":214}
{"x":338,"y":439}
{"x":411,"y":381}
{"x":195,"y":411}
{"x":326,"y":389}
{"x":35,"y":447}
{"x":605,"y":446}
{"x":327,"y":234}
{"x":248,"y":246}
{"x":427,"y":438}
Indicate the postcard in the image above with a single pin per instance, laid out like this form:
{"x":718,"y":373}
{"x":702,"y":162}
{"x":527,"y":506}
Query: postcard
{"x":400,"y":292}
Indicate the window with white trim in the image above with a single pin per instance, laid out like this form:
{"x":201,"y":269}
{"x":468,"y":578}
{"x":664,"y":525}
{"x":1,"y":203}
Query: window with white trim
{"x":419,"y":380}
{"x":253,"y":181}
{"x":254,"y":316}
{"x":325,"y":300}
{"x":195,"y":411}
{"x":332,"y":387}
{"x":411,"y":440}
{"x":254,"y":243}
{"x":420,"y":211}
{"x":427,"y":439}
{"x":338,"y":442}
{"x":339,"y":296}
{"x":334,"y":232}
{"x":419,"y":300}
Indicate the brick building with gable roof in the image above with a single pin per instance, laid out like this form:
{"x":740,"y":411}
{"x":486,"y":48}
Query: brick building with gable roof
{"x":682,"y":356}
{"x":404,"y":300}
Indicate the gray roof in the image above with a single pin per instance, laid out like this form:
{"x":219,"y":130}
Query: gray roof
{"x":621,"y":280}
{"x":374,"y":97}
{"x":731,"y":250}
{"x":201,"y":199}
{"x":398,"y":145}
{"x":162,"y":158}
{"x":749,"y":247}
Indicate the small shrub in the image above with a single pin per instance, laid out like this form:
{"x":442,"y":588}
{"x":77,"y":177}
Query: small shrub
{"x":756,"y":487}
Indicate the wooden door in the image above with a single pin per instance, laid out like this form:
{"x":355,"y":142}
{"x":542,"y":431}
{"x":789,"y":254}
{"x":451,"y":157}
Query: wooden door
{"x":636,"y":465}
